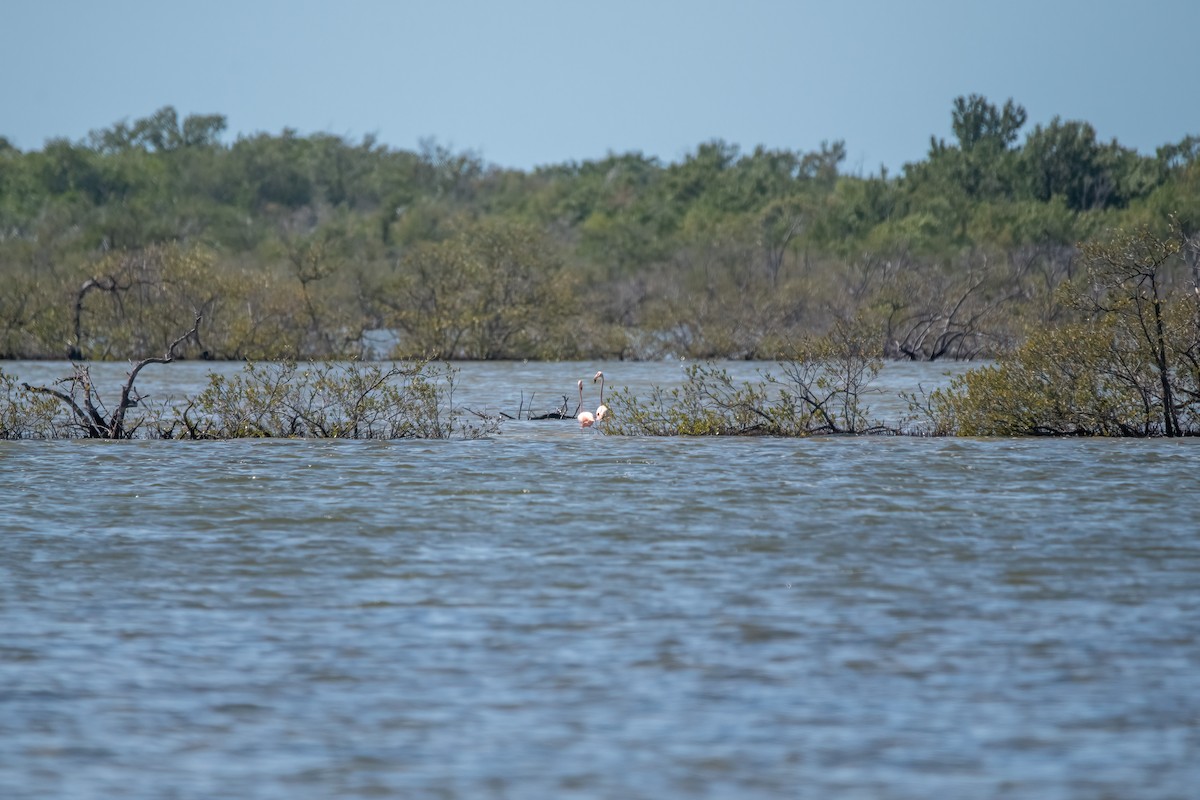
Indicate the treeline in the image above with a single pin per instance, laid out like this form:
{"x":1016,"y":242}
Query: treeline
{"x":301,"y":247}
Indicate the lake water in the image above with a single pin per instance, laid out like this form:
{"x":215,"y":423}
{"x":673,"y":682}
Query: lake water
{"x":554,"y":613}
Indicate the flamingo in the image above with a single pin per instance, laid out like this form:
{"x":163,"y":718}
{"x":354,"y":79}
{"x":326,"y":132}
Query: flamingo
{"x":601,"y":410}
{"x":586,"y":418}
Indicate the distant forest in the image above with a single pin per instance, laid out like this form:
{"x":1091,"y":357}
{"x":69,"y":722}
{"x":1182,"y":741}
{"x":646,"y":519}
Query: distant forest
{"x":294,"y":246}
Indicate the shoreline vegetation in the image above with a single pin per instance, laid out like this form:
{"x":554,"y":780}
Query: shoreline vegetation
{"x":1129,"y":366}
{"x":350,"y":275}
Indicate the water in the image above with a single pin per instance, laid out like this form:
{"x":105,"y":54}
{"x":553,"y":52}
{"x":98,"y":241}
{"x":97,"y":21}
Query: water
{"x":553,"y":613}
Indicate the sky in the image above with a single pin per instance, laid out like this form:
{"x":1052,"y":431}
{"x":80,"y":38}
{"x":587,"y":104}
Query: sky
{"x":523,"y":84}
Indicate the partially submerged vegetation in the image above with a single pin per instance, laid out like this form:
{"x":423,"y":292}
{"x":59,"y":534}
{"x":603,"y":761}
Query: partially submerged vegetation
{"x":818,"y":389}
{"x":325,"y":401}
{"x":346,"y":400}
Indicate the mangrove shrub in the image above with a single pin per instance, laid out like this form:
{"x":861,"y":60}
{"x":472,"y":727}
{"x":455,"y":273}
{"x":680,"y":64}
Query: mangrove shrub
{"x":1130,"y":366}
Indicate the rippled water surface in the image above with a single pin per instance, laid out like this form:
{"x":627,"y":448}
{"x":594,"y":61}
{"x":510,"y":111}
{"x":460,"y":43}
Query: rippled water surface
{"x":554,"y":613}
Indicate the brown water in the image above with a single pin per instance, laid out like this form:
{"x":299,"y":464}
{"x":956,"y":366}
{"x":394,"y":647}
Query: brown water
{"x":553,"y":613}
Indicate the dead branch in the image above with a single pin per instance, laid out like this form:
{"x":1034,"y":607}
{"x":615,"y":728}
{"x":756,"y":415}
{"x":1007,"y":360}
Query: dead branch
{"x":558,"y":413}
{"x":116,"y":428}
{"x":106,"y":283}
{"x":91,"y":423}
{"x":90,"y":415}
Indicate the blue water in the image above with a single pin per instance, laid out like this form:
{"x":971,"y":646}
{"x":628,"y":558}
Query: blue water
{"x":554,"y":613}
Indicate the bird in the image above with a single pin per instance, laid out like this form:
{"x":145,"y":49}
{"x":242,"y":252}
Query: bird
{"x":586,"y":418}
{"x":601,"y":410}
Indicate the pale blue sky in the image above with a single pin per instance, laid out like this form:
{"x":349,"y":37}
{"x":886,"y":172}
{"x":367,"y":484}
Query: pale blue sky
{"x":528,"y":83}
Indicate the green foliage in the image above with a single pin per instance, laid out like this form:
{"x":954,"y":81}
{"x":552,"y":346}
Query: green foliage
{"x":823,"y":380}
{"x":709,"y":403}
{"x":981,"y":166}
{"x":326,"y":401}
{"x":295,"y":246}
{"x":1062,"y":382}
{"x":1131,"y":367}
{"x":493,"y":290}
{"x":819,"y":390}
{"x":27,"y":415}
{"x":977,"y":123}
{"x":133,"y":302}
{"x":160,"y":132}
{"x":1064,"y":159}
{"x":1178,"y":197}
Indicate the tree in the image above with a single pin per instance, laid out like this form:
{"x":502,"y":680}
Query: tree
{"x":131,"y":301}
{"x":1064,"y":159}
{"x":1130,"y":367}
{"x":981,"y":163}
{"x":159,"y":133}
{"x":1130,"y":285}
{"x":202,"y":130}
{"x":930,"y":313}
{"x":977,"y":123}
{"x":494,"y":290}
{"x":265,"y":172}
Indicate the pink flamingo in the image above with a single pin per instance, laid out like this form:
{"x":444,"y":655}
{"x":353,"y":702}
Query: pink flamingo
{"x":601,"y":410}
{"x":586,"y":418}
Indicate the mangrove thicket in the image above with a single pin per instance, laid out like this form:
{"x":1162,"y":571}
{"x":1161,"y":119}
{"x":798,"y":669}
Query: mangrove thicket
{"x":315,"y":247}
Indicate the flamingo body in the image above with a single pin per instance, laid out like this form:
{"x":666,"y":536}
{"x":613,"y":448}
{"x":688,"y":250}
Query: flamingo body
{"x":586,"y":418}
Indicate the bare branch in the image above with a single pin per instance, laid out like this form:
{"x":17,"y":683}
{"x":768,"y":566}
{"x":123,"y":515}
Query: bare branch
{"x":116,"y":427}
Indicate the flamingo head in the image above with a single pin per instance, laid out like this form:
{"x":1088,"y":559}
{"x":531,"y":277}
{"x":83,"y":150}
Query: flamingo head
{"x":581,"y":386}
{"x":599,"y":376}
